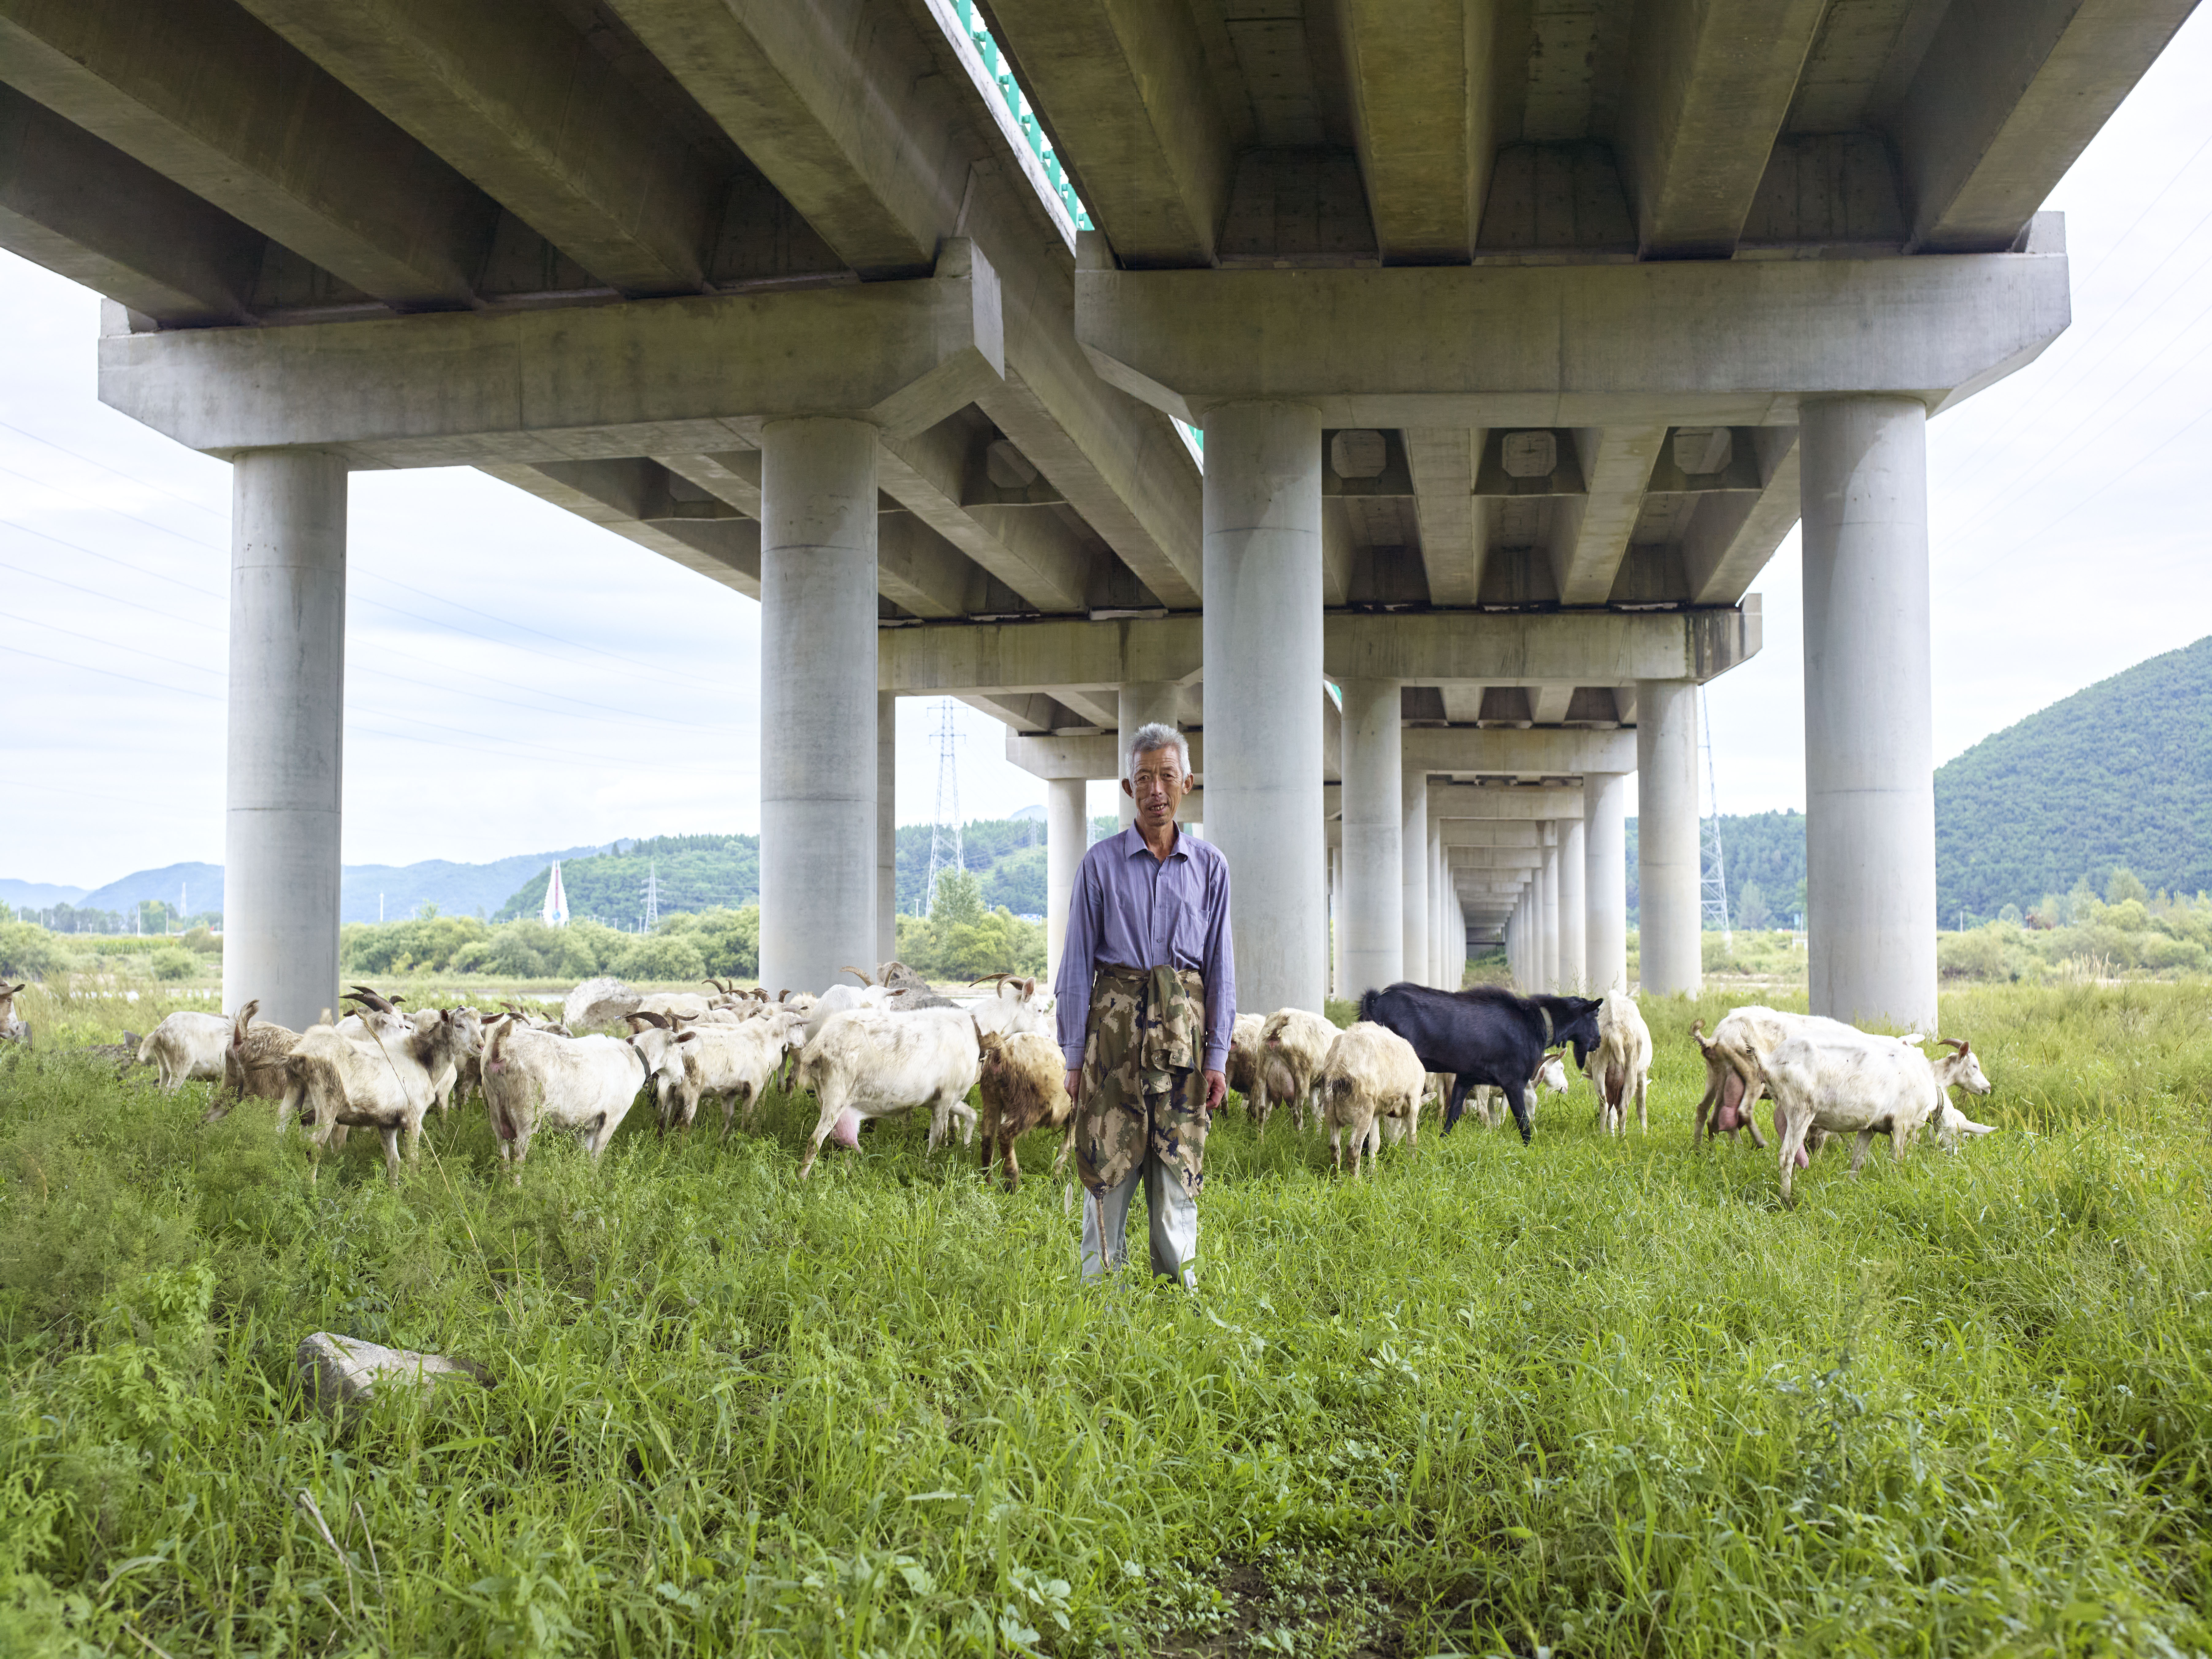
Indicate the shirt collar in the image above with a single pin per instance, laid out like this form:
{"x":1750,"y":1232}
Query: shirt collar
{"x":1133,"y":843}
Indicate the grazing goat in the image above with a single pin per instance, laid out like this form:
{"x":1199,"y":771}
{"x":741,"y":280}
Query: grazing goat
{"x":14,"y":1027}
{"x":253,"y":1066}
{"x":380,"y":1080}
{"x":187,"y":1046}
{"x":1620,"y":1064}
{"x":1293,"y":1045}
{"x":875,"y":1063}
{"x":1486,"y":1035}
{"x":1015,"y":1006}
{"x":536,"y":1080}
{"x":1371,"y":1074}
{"x":731,"y":1062}
{"x":1741,"y":1040}
{"x":1242,"y":1069}
{"x":1873,"y":1085}
{"x":1024,"y":1086}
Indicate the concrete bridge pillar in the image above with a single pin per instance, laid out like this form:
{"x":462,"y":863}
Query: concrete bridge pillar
{"x":1548,"y":924}
{"x":1373,"y":919}
{"x":1574,"y":921}
{"x":1439,"y":896}
{"x":286,"y":771}
{"x":818,"y":700}
{"x":1143,"y":702}
{"x":1667,"y":870}
{"x":1414,"y":876}
{"x":886,"y":827}
{"x":1262,"y":645}
{"x":1604,"y":880}
{"x":1869,"y":745}
{"x":1066,"y":837}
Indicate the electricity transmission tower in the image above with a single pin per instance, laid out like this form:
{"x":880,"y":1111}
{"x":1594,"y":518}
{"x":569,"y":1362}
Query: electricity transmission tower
{"x":944,"y":850}
{"x":651,"y":897}
{"x":1713,"y":886}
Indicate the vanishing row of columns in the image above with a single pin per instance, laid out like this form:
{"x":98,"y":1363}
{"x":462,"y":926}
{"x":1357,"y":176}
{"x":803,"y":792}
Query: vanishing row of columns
{"x":824,"y":762}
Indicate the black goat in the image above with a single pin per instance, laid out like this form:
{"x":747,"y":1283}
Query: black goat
{"x":1484,"y":1035}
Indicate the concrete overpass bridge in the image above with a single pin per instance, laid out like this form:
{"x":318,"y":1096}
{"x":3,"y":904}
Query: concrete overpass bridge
{"x":1516,"y":334}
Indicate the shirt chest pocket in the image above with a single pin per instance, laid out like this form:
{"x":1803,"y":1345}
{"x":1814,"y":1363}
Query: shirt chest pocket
{"x":1182,"y":893}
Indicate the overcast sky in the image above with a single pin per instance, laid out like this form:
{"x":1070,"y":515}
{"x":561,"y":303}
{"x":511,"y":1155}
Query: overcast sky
{"x":519,"y":680}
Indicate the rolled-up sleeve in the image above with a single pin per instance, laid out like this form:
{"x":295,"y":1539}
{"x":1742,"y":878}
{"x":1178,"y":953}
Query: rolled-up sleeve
{"x":1078,"y":951}
{"x":1220,"y":969}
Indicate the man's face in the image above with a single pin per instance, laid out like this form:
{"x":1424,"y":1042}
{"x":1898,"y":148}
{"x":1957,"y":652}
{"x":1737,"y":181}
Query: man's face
{"x":1158,"y":784}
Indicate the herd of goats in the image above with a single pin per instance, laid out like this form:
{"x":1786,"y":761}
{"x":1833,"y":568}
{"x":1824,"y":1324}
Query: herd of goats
{"x":891,"y":1044}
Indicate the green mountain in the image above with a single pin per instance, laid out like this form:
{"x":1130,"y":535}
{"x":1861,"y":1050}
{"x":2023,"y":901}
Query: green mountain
{"x":2118,"y":774}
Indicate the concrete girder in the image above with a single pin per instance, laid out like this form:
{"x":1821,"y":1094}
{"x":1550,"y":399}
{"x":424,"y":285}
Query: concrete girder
{"x":1525,"y":804}
{"x":77,"y":205}
{"x":1128,"y":92}
{"x":832,"y":104}
{"x":618,"y":495}
{"x":733,"y":476}
{"x":1454,"y":529}
{"x":1590,"y":531}
{"x":1533,"y":753}
{"x":1731,"y":537}
{"x":919,"y":570}
{"x":1101,"y":709}
{"x":1489,"y":832}
{"x":1709,"y":84}
{"x":2008,"y":94}
{"x":213,"y":99}
{"x":1690,"y":341}
{"x":685,"y":376}
{"x":1429,"y":648}
{"x":1497,"y":858}
{"x":1423,"y":113}
{"x":1029,"y":549}
{"x":518,"y":100}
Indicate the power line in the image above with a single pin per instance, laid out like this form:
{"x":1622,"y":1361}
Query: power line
{"x":127,"y":478}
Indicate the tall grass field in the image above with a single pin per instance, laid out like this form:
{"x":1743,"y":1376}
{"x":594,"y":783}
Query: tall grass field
{"x":1586,"y":1397}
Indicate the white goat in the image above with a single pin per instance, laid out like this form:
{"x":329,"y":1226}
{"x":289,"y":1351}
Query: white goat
{"x":875,"y":1063}
{"x":1242,"y":1069}
{"x":1620,"y":1064}
{"x":1873,"y":1085}
{"x":380,"y":1080}
{"x":536,"y":1080}
{"x":731,"y":1062}
{"x":1022,"y":1085}
{"x":1016,"y":1006}
{"x":187,"y":1046}
{"x":1293,"y":1046}
{"x":1370,"y":1074}
{"x":1738,"y":1047}
{"x":13,"y":1027}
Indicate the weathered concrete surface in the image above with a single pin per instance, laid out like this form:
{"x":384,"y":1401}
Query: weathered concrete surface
{"x":1536,"y":752}
{"x":285,"y":768}
{"x":1370,"y":922}
{"x":1669,"y":865}
{"x":687,"y":376}
{"x":1870,"y":745}
{"x":1725,"y":342}
{"x":339,"y":1371}
{"x":1604,"y":880}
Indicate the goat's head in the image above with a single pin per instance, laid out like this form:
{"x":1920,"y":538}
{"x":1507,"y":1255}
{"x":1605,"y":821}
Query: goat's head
{"x":1961,"y":1068}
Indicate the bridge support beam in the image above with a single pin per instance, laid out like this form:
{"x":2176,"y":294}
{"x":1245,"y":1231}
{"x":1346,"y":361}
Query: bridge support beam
{"x":1374,"y":850}
{"x":1667,"y":837}
{"x":1263,"y":690}
{"x":1870,"y":746}
{"x":818,"y":700}
{"x":286,"y":763}
{"x":1604,"y":880}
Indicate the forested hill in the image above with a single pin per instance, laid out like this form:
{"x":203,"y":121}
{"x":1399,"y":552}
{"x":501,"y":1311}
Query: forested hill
{"x":2118,"y":774}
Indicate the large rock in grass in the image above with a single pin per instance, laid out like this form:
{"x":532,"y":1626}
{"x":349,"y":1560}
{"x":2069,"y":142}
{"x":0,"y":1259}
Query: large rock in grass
{"x":597,"y":1002}
{"x":339,"y":1371}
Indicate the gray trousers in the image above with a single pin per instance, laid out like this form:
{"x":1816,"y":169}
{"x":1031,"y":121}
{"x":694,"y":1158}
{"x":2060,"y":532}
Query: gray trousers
{"x":1172,"y":1212}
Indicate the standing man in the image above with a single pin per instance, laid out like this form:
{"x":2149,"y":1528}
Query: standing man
{"x":1146,"y":996}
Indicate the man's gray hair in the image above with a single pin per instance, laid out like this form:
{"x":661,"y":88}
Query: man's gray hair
{"x":1157,"y":734}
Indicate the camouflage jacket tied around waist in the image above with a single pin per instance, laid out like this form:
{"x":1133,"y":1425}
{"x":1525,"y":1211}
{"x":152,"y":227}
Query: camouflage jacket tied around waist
{"x":1143,"y":1041}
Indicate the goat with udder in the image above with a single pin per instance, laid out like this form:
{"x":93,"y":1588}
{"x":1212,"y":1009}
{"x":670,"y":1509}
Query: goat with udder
{"x":536,"y":1080}
{"x":1370,"y":1075}
{"x":1293,"y":1046}
{"x":1741,"y":1040}
{"x":254,"y":1065}
{"x":875,"y":1063}
{"x":1620,"y":1064}
{"x":1875,"y":1086}
{"x":1022,"y":1082}
{"x":187,"y":1046}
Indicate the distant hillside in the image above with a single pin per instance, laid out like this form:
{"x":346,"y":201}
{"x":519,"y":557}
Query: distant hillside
{"x":201,"y":885}
{"x":36,"y":894}
{"x":1765,"y":855}
{"x":2119,"y":774}
{"x":457,"y":890}
{"x":690,"y":873}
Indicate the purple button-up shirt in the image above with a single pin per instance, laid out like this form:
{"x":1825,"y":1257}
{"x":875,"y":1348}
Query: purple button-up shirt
{"x":1137,"y":911}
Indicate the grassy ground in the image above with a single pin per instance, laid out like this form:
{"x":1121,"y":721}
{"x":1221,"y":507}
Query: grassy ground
{"x":1588,"y":1397}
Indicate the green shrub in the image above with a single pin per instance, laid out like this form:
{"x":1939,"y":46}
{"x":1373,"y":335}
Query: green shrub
{"x":29,"y":951}
{"x":172,"y":963}
{"x":660,"y":957}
